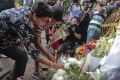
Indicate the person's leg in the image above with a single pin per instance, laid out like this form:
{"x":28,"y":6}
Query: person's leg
{"x":36,"y":72}
{"x":20,"y":57}
{"x":36,"y":66}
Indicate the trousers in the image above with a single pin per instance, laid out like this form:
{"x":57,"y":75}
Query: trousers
{"x":20,"y":56}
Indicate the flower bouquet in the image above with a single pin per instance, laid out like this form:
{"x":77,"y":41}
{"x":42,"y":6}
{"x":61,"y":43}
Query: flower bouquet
{"x":73,"y":71}
{"x":85,"y":49}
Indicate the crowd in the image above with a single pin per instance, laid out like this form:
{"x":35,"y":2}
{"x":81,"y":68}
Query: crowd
{"x":20,"y":29}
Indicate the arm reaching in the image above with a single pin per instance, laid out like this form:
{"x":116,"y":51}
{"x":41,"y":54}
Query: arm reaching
{"x":38,"y":44}
{"x":45,"y":61}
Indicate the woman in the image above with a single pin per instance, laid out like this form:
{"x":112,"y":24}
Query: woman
{"x":24,"y":25}
{"x":54,"y":21}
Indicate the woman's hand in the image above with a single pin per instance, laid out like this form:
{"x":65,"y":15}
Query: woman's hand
{"x":57,"y":66}
{"x":45,"y":61}
{"x":51,"y":58}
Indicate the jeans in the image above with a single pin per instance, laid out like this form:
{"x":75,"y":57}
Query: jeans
{"x":20,"y":57}
{"x":93,"y":32}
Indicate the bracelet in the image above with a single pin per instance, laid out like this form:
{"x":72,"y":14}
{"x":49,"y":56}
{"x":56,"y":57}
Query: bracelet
{"x":51,"y":64}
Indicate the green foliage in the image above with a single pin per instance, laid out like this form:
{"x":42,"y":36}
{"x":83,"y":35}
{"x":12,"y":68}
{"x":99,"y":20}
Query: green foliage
{"x":66,"y":5}
{"x":104,"y":45}
{"x":20,"y":2}
{"x":75,"y":72}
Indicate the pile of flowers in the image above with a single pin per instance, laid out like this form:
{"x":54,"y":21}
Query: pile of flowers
{"x":107,"y":45}
{"x":86,"y":48}
{"x":73,"y":71}
{"x":100,"y":47}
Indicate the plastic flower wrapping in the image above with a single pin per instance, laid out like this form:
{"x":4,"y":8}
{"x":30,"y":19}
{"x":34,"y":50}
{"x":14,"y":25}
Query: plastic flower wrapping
{"x":98,"y":75}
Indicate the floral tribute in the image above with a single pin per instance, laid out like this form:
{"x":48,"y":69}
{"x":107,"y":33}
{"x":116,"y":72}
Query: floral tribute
{"x":86,"y":48}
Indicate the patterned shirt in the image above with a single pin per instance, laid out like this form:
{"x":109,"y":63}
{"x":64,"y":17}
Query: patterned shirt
{"x":15,"y":25}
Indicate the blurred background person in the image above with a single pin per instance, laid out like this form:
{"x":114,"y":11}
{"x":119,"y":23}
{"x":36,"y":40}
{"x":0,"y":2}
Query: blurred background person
{"x":6,"y":4}
{"x":74,"y":10}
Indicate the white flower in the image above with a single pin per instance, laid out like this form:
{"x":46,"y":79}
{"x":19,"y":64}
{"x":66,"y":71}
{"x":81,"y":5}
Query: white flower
{"x":59,"y":75}
{"x":91,"y":74}
{"x":61,"y":72}
{"x":67,"y":65}
{"x":118,"y":29}
{"x":80,"y":63}
{"x":55,"y":76}
{"x":95,"y":75}
{"x":60,"y":78}
{"x":98,"y":71}
{"x":72,"y":60}
{"x":110,"y":40}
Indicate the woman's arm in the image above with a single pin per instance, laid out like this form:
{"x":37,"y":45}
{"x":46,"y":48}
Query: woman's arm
{"x":37,"y":41}
{"x":45,"y":61}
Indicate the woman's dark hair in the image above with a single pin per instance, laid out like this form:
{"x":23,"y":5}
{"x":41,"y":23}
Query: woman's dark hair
{"x":78,"y":30}
{"x":51,"y":2}
{"x":57,"y":12}
{"x":41,"y":9}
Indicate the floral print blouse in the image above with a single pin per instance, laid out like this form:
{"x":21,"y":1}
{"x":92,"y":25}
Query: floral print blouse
{"x":14,"y":26}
